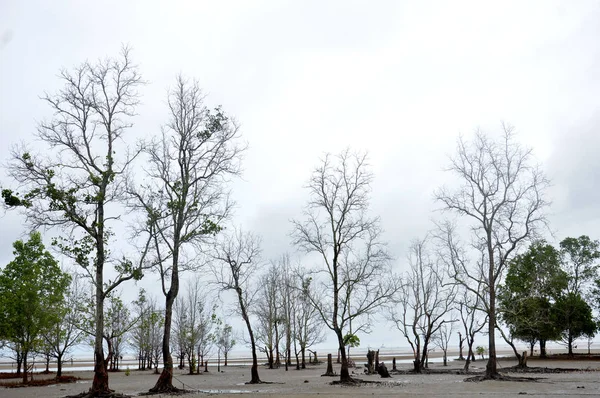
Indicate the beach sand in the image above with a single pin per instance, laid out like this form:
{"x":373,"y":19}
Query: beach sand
{"x":293,"y":383}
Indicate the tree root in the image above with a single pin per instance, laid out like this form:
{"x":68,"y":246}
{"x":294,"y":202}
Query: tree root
{"x":109,"y":394}
{"x":352,"y":382}
{"x":500,"y":377}
{"x":174,"y":391}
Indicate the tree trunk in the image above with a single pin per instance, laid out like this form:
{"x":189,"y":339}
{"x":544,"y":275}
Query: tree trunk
{"x":469,"y":355}
{"x":570,"y":341}
{"x":329,"y":371}
{"x":303,"y":352}
{"x":19,"y":362}
{"x":370,"y":362}
{"x":344,"y":371}
{"x":461,"y":342}
{"x":164,"y":384}
{"x":491,"y":370}
{"x":59,"y":362}
{"x":394,"y":364}
{"x":377,"y":361}
{"x":254,"y":379}
{"x":542,"y":348}
{"x":531,"y":347}
{"x":100,"y":382}
{"x":225,"y":354}
{"x":25,"y":370}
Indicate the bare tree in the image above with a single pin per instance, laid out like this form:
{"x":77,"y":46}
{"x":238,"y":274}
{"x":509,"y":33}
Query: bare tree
{"x":269,"y":314}
{"x":74,"y":182}
{"x":236,"y":258}
{"x":442,"y":338}
{"x":307,"y":323}
{"x":427,"y":297}
{"x":502,"y":195}
{"x":356,"y":264}
{"x":185,"y":199}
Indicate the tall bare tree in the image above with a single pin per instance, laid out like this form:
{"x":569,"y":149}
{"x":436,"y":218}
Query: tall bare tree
{"x":236,"y":258}
{"x":78,"y":176}
{"x":502,"y":196}
{"x":185,"y":196}
{"x":356,"y":264}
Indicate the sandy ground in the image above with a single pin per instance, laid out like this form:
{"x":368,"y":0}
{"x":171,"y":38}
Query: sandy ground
{"x":231,"y":383}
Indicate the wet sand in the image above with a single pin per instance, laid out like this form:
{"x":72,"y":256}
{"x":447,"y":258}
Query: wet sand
{"x":293,"y":383}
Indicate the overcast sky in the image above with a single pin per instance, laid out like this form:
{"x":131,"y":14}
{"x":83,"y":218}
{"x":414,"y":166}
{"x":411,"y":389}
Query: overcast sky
{"x":398,"y":79}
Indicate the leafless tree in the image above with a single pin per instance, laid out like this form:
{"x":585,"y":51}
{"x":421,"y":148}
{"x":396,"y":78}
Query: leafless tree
{"x":236,"y":258}
{"x":74,"y":182}
{"x":502,"y":196}
{"x":307,"y":323}
{"x":442,"y":338}
{"x":269,"y":313}
{"x":426,"y":299}
{"x":184,"y":198}
{"x":356,"y":264}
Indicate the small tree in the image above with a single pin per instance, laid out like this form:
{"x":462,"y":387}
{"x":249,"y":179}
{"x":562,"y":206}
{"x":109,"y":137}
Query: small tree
{"x":427,"y":297}
{"x":236,"y":258}
{"x":32,"y":293}
{"x":534,"y":282}
{"x":225,"y":340}
{"x":355,"y":278}
{"x":66,"y":333}
{"x":573,"y":316}
{"x":580,"y":258}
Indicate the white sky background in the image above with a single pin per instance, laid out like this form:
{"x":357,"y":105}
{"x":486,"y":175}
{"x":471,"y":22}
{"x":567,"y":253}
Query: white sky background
{"x":398,"y":79}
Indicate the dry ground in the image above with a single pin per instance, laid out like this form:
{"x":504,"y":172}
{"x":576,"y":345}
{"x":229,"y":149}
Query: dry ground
{"x":230,"y":383}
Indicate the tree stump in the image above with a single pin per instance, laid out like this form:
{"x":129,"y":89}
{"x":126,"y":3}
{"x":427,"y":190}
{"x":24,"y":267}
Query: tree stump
{"x":523,"y":360}
{"x":382,"y":370}
{"x":370,"y":359}
{"x":394,"y":364}
{"x":329,"y":371}
{"x":377,"y":361}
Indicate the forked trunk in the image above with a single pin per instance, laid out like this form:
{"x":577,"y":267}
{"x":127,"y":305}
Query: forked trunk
{"x":25,"y":370}
{"x":59,"y":365}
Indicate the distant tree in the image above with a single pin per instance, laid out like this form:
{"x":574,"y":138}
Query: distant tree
{"x":185,"y":197}
{"x":77,"y":180}
{"x":580,"y":258}
{"x":426,"y":299}
{"x":533,"y":283}
{"x":355,"y":277}
{"x":118,"y":324}
{"x":574,"y":316}
{"x":66,"y":332}
{"x":502,"y":195}
{"x":307,"y":323}
{"x":32,"y":293}
{"x":269,"y":313}
{"x":442,"y":339}
{"x":236,"y":259}
{"x":225,"y":340}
